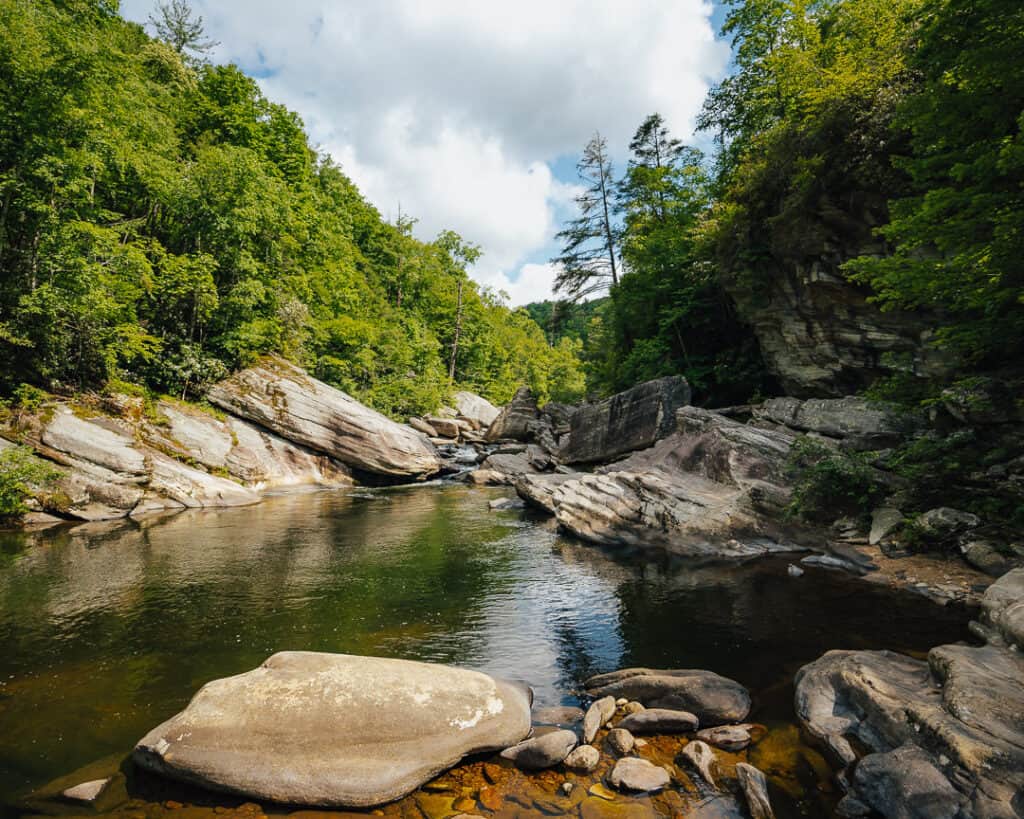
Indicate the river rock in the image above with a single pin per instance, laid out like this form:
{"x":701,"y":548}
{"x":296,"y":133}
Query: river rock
{"x":1002,"y":612}
{"x":884,"y":521}
{"x":905,"y":784}
{"x":620,"y":741}
{"x":87,"y":792}
{"x":755,"y":791}
{"x":421,"y":425}
{"x":334,"y":730}
{"x":634,"y":419}
{"x":583,"y":759}
{"x":544,"y":751}
{"x":516,"y":421}
{"x":714,"y":699}
{"x":660,"y":721}
{"x":961,"y":708}
{"x":470,"y":405}
{"x":279,"y":396}
{"x":634,"y":774}
{"x":701,"y":757}
{"x":510,"y":467}
{"x":727,"y":737}
{"x":944,"y":523}
{"x":445,"y":427}
{"x":598,"y":714}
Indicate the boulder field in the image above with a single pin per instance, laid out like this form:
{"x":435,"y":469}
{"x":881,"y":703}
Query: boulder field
{"x":942,"y":737}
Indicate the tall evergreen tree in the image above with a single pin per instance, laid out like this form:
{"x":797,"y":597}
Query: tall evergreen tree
{"x":175,"y":24}
{"x":587,"y":263}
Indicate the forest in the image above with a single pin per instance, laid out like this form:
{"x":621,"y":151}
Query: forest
{"x":163,"y":223}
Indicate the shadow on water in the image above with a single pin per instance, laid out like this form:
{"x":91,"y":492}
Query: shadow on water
{"x":108,"y":629}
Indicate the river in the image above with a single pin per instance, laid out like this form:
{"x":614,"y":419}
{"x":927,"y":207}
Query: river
{"x":108,"y":629}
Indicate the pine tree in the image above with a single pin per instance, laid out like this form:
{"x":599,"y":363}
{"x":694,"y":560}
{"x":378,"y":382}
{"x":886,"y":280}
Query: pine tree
{"x":175,"y":25}
{"x":588,"y":259}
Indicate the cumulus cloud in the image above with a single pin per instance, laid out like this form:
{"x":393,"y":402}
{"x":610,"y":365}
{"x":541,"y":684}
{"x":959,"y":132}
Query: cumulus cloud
{"x":458,"y":108}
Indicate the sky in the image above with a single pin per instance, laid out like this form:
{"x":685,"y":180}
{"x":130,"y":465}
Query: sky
{"x":470,"y":114}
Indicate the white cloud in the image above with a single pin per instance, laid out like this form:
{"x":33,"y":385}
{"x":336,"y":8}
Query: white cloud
{"x":535,"y":282}
{"x":456,"y":108}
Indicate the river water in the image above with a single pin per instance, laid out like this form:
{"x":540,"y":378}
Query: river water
{"x":108,"y":629}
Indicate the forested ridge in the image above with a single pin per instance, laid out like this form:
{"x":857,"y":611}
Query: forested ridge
{"x":885,"y":134}
{"x":162,"y":223}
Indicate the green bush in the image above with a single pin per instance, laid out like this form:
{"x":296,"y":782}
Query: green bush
{"x":829,"y":484}
{"x":22,"y":475}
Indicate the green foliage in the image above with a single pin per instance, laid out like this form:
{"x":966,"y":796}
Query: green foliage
{"x":958,"y":243}
{"x":162,"y":223}
{"x":828,"y":484}
{"x":22,"y":476}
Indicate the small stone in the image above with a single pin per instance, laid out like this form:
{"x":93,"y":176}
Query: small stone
{"x":755,"y":789}
{"x":632,"y":707}
{"x":620,"y":702}
{"x":87,"y":792}
{"x":794,"y":571}
{"x":634,"y":774}
{"x":727,"y":737}
{"x":601,"y":792}
{"x":542,"y":751}
{"x":660,"y":721}
{"x":505,"y":504}
{"x":567,"y":788}
{"x":701,"y":757}
{"x":492,"y":772}
{"x":598,"y":714}
{"x":639,"y":742}
{"x":620,"y":741}
{"x":583,"y":759}
{"x":464,"y":803}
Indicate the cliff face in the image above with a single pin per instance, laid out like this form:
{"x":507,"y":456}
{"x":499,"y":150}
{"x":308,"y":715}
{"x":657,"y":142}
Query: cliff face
{"x":822,"y":338}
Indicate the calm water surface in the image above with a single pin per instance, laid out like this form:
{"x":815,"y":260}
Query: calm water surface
{"x":106,"y":630}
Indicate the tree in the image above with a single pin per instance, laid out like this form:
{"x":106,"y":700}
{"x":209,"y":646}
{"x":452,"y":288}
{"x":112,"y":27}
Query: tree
{"x":587,"y":263}
{"x":175,"y":25}
{"x":459,"y":254}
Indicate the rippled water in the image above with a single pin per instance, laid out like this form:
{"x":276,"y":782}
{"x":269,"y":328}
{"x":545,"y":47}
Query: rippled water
{"x":106,"y":630}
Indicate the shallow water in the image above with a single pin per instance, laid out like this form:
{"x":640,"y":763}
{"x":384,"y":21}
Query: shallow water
{"x":106,"y":630}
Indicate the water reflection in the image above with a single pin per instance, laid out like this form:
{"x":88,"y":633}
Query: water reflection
{"x":107,"y":629}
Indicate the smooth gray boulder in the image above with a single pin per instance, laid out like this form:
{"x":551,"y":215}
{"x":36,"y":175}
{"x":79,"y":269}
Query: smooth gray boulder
{"x":544,"y":751}
{"x":727,"y":737}
{"x":583,"y":759}
{"x":620,"y":741}
{"x":479,"y":409}
{"x":714,"y":699}
{"x":634,"y":419}
{"x":634,"y":774}
{"x":962,"y":708}
{"x":660,"y":721}
{"x":334,"y":730}
{"x":282,"y":398}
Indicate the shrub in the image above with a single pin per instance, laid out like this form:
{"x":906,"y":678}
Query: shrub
{"x":829,"y":484}
{"x":22,"y":475}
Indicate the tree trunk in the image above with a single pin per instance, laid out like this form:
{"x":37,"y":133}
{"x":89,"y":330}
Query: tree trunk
{"x":458,"y":331}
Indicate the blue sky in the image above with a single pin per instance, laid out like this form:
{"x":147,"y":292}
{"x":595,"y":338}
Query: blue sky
{"x":471,"y":115}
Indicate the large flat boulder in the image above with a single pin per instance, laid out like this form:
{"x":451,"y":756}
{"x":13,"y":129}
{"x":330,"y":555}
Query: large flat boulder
{"x":333,"y":730}
{"x":959,"y":713}
{"x":280,"y":397}
{"x":634,"y":419}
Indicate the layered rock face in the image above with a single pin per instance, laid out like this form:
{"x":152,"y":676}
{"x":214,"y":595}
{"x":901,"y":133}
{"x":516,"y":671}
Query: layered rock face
{"x":279,"y":396}
{"x":334,"y":730}
{"x":821,"y":337}
{"x":120,"y":461}
{"x":714,"y":487}
{"x":632,"y":420}
{"x":860,"y":424}
{"x":945,"y":737}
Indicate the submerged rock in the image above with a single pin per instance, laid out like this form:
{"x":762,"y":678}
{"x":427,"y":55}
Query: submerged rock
{"x":755,"y":790}
{"x":280,"y":397}
{"x":558,"y":715}
{"x":702,"y":758}
{"x":727,"y":737}
{"x":714,"y":699}
{"x":634,"y":419}
{"x":334,"y":730}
